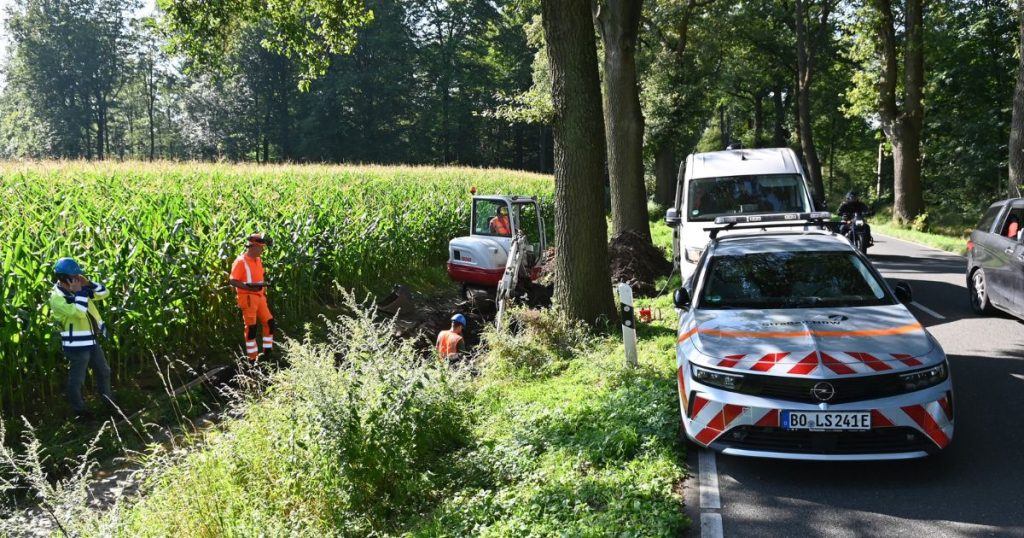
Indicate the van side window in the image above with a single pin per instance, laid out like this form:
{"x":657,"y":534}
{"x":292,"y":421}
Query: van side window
{"x":1013,"y":223}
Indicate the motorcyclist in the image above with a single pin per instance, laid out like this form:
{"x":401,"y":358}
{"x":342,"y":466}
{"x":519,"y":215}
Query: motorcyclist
{"x":850,"y":206}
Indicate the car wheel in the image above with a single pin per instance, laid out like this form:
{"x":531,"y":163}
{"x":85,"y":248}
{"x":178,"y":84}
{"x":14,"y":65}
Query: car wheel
{"x":978,"y":290}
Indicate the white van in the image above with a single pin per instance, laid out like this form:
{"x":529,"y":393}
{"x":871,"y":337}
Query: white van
{"x":732,"y":182}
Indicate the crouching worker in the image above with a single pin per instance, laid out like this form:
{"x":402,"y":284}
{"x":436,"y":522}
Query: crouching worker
{"x":73,"y":305}
{"x":450,"y":342}
{"x":248,"y":281}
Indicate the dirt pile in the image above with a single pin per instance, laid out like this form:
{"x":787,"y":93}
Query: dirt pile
{"x":637,"y":262}
{"x":630,"y":259}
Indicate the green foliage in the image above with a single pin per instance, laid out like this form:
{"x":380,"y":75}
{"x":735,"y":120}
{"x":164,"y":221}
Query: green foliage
{"x":310,"y":31}
{"x":536,"y":344}
{"x":347,"y":442}
{"x":162,"y":237}
{"x":589,"y":451}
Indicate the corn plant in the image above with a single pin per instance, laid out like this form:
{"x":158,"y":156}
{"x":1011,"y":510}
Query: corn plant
{"x":162,"y":237}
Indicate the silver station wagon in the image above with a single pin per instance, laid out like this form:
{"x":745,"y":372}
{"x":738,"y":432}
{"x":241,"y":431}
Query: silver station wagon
{"x":791,"y":345}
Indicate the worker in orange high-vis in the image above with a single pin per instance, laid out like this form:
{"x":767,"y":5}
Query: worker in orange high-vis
{"x":450,"y":342}
{"x":248,"y":280}
{"x":499,"y":224}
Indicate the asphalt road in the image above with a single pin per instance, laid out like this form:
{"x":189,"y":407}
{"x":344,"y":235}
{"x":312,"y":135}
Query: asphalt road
{"x":974,"y":488}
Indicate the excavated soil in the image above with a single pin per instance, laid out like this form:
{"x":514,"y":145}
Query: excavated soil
{"x":634,"y":260}
{"x":631,"y":259}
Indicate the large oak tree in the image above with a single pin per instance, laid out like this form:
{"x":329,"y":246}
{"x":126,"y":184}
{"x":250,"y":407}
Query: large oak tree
{"x":582,"y":278}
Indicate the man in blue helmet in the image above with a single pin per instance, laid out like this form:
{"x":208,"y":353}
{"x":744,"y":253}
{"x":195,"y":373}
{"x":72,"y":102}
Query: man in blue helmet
{"x":73,"y":305}
{"x":450,"y":342}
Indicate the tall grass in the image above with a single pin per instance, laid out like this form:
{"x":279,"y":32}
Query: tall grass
{"x":162,"y":237}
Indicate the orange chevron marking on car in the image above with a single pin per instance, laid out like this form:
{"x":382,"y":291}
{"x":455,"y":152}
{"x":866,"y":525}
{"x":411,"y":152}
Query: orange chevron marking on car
{"x":719,"y":423}
{"x":806,"y":365}
{"x":770,"y":419}
{"x":835,"y":365}
{"x":682,"y":388}
{"x":768,"y":361}
{"x":926,"y":421}
{"x":698,"y":404}
{"x":909,"y":360}
{"x":870,"y":360}
{"x":910,"y":327}
{"x":730,"y":360}
{"x":878,"y":420}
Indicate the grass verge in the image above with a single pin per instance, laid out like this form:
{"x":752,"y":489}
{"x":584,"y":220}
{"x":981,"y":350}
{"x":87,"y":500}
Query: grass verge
{"x":956,"y":245}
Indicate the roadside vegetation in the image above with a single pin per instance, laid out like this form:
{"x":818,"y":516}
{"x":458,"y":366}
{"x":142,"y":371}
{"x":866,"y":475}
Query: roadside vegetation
{"x":944,"y":231}
{"x":162,"y":237}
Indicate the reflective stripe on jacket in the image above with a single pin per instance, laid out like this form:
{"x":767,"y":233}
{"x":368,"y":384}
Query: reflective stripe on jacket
{"x":78,"y":319}
{"x":248,"y":270}
{"x":448,"y":343}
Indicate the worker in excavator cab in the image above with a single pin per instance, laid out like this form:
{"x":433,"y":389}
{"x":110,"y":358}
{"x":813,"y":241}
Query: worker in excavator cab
{"x":450,"y":342}
{"x":248,"y":280}
{"x":500,"y":224}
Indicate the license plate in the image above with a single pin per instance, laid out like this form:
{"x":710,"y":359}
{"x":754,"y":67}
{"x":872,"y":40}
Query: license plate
{"x":826,"y":420}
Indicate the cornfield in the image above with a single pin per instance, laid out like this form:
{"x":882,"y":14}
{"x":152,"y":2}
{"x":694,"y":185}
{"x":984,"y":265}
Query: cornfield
{"x":162,"y":237}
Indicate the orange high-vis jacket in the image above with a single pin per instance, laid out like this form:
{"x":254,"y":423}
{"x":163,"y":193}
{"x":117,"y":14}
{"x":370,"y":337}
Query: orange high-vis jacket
{"x":500,"y":225}
{"x":448,"y":343}
{"x":248,"y":270}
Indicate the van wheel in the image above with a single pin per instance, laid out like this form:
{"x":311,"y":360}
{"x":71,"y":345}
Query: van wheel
{"x":978,"y":290}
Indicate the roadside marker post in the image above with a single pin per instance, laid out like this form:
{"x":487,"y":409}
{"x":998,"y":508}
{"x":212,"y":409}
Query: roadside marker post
{"x":626,"y":312}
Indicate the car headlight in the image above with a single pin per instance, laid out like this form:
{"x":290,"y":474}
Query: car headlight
{"x":716,"y":378}
{"x":922,"y":379}
{"x":693,"y":254}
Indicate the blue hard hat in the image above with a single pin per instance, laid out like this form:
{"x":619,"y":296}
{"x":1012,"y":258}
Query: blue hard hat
{"x":67,"y":266}
{"x":460,"y":319}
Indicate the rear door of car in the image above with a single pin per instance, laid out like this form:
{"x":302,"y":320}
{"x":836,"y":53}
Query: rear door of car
{"x":1002,"y":267}
{"x":984,"y":239}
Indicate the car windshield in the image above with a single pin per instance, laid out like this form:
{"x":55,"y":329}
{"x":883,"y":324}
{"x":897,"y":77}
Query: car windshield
{"x":712,"y":197}
{"x":790,"y":280}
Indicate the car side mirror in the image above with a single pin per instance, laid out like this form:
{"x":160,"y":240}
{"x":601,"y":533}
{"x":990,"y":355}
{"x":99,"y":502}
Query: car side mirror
{"x":681,"y":298}
{"x":672,"y":217}
{"x":903,"y":292}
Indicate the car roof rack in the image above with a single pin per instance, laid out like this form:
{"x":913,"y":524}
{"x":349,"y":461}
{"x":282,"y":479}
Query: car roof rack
{"x":772,"y":220}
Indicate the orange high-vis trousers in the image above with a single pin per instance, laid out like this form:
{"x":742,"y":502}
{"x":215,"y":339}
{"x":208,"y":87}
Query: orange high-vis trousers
{"x":254,"y":309}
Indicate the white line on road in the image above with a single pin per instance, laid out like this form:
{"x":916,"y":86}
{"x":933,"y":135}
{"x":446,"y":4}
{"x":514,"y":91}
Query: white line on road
{"x":709,"y":481}
{"x":1018,"y":376}
{"x":710,"y":522}
{"x":927,"y":310}
{"x":711,"y":525}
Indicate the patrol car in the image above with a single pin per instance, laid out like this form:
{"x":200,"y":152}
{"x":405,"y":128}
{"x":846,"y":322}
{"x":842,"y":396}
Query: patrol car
{"x":792,"y":346}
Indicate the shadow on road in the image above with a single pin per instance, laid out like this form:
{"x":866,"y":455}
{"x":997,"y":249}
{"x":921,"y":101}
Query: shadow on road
{"x":895,"y":263}
{"x":977,"y":480}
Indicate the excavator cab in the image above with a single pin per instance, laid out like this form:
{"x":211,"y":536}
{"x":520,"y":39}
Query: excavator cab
{"x":480,"y":259}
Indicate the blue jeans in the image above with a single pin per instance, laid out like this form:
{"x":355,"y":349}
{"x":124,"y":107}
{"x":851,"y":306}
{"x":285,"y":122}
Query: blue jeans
{"x":79,"y":360}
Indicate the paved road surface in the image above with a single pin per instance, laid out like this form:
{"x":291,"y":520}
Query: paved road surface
{"x":975,"y":488}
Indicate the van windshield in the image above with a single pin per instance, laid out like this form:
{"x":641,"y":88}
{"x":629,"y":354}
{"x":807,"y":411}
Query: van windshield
{"x":712,"y":197}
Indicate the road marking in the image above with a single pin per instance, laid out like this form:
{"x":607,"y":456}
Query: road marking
{"x":711,"y":525}
{"x":710,"y":501}
{"x":927,"y":310}
{"x":709,"y":498}
{"x":1018,"y":376}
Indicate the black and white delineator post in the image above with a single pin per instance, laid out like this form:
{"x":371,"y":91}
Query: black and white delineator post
{"x":626,"y":312}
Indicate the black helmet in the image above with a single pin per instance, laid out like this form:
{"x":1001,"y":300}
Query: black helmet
{"x":851,"y":195}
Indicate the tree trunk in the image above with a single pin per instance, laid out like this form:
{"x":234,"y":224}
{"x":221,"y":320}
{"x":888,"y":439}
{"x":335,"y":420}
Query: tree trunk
{"x":759,"y":120}
{"x":582,"y":278}
{"x":150,"y":104}
{"x":1016,"y":176}
{"x":665,"y":174}
{"x":619,"y":22}
{"x":100,"y":127}
{"x":779,"y":134}
{"x":722,"y":127}
{"x":903,"y":127}
{"x":805,"y":69}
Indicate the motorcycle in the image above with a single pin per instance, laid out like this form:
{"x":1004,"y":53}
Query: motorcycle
{"x":855,"y":230}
